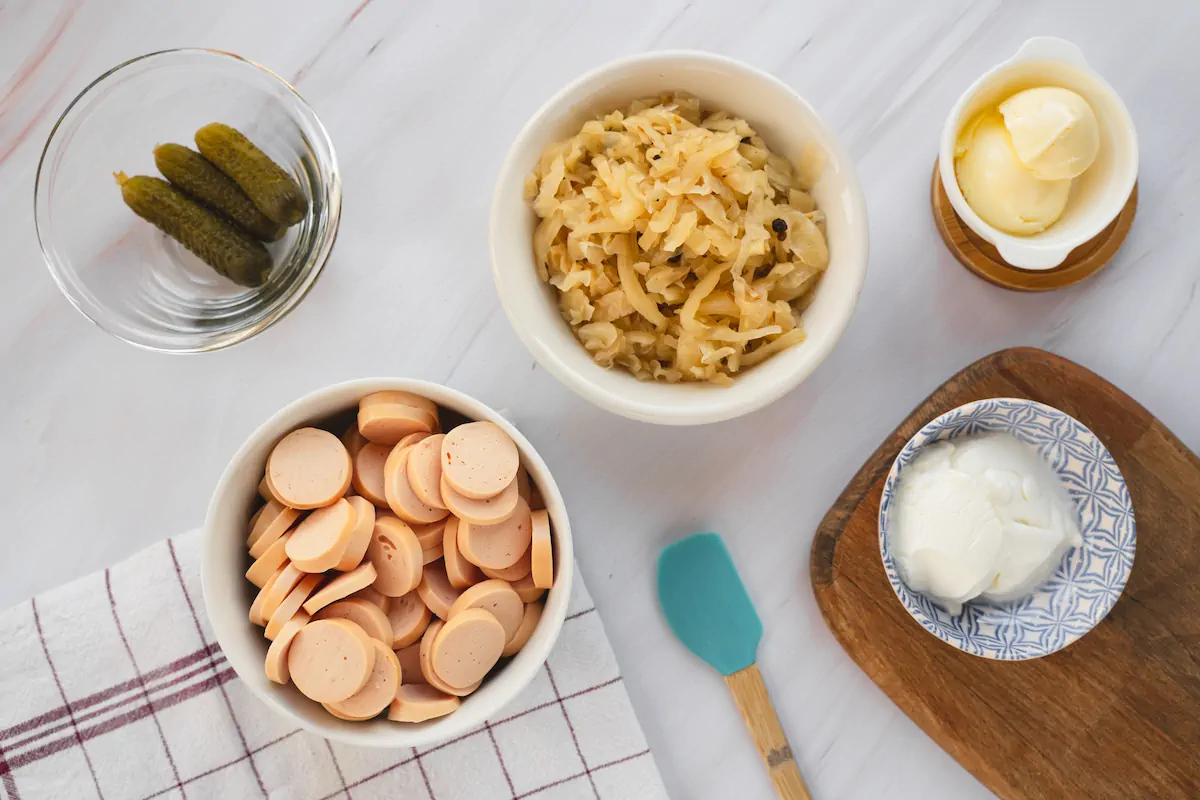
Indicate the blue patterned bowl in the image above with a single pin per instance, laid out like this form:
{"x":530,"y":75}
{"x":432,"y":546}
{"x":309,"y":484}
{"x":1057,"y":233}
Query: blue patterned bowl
{"x":1090,"y":578}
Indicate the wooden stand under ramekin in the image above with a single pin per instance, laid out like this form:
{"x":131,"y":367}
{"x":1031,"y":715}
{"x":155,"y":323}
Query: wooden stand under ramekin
{"x":984,"y":260}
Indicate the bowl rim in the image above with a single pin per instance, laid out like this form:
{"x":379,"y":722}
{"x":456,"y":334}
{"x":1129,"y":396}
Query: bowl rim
{"x":523,"y":672}
{"x":296,"y":293}
{"x":894,"y":581}
{"x":719,"y":408}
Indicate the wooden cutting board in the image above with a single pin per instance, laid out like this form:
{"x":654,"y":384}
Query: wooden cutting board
{"x":1115,"y":715}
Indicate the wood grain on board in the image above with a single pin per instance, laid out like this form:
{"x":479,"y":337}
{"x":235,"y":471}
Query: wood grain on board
{"x":984,"y":259}
{"x":1114,"y":715}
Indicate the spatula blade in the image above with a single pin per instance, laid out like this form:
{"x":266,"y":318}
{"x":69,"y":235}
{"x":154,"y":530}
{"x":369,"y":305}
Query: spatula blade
{"x":706,"y":604}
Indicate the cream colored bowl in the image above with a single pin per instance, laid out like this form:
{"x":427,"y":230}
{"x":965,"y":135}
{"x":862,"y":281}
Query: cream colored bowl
{"x":228,"y":595}
{"x":787,"y":123}
{"x":1097,"y":196}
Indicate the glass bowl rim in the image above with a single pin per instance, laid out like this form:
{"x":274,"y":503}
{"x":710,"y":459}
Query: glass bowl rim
{"x":283,"y":306}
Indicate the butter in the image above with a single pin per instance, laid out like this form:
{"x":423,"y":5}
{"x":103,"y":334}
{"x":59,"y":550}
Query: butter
{"x":998,"y":186}
{"x":1053,"y":130}
{"x":1015,"y":163}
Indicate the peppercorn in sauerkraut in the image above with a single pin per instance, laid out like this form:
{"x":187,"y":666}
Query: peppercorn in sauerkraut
{"x":682,"y":249}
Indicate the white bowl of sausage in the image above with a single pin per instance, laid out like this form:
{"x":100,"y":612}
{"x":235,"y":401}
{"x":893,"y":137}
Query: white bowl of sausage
{"x":228,"y":595}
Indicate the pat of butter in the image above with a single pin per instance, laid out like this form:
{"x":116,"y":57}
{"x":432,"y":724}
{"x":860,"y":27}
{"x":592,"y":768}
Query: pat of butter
{"x":1053,"y":130}
{"x":998,"y":186}
{"x":1015,"y":163}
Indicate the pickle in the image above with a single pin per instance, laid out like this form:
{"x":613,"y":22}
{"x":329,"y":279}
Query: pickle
{"x":227,"y":249}
{"x":272,"y":189}
{"x":194,"y":174}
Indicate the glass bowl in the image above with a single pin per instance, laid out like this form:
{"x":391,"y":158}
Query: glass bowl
{"x":123,"y":273}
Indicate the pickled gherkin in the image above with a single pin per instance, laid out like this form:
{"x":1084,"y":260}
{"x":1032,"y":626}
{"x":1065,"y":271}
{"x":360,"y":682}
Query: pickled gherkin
{"x":224,"y":247}
{"x":196,"y":175}
{"x":267,"y":184}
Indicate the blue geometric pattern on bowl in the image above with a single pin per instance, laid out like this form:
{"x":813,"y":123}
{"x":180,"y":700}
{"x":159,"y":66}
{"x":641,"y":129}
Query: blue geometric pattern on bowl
{"x":1090,"y":578}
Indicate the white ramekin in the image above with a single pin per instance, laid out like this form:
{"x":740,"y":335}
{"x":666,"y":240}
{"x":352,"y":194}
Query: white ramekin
{"x":787,"y":123}
{"x":228,"y":595}
{"x":1097,"y":196}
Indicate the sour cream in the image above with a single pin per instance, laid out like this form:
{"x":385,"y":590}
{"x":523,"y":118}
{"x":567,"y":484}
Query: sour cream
{"x":981,"y":516}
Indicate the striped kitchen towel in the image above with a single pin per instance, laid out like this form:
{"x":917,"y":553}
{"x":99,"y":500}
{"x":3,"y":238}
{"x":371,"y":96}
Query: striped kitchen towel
{"x":114,"y":687}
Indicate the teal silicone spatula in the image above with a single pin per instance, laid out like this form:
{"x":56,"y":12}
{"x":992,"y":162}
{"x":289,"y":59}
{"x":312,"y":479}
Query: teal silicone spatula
{"x":708,"y":609}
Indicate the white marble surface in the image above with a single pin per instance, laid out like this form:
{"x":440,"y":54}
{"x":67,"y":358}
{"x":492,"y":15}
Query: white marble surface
{"x":107,"y":448}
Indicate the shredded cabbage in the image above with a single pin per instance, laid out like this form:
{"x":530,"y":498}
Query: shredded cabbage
{"x":683,"y":249}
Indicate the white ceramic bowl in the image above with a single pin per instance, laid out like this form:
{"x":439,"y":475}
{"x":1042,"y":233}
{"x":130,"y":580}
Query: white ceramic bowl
{"x":1097,"y":196}
{"x":228,"y":595}
{"x":787,"y":123}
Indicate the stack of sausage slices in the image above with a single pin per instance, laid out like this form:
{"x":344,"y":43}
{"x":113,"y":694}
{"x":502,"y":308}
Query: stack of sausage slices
{"x":397,"y":565}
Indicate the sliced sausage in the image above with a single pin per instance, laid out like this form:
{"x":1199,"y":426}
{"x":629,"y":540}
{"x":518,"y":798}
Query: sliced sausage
{"x":266,"y":564}
{"x":291,"y":605}
{"x":264,"y":491}
{"x":375,"y":596}
{"x":392,"y":397}
{"x":526,"y":590}
{"x":335,"y":713}
{"x":536,"y":501}
{"x":479,"y":459}
{"x":256,"y":615}
{"x":408,"y":617}
{"x":419,"y":703}
{"x":541,"y":551}
{"x":276,"y":664}
{"x":368,"y":472}
{"x":524,"y":487}
{"x":410,"y":664}
{"x":341,"y":587}
{"x":531,"y":616}
{"x":431,"y":677}
{"x":491,"y":511}
{"x":309,"y":468}
{"x":274,"y":522}
{"x":280,"y":588}
{"x":330,"y":660}
{"x":497,"y":546}
{"x":424,"y":469}
{"x":462,"y":573}
{"x":396,"y":554}
{"x":522,"y":568}
{"x":353,"y":440}
{"x":399,"y":493}
{"x":495,"y":597}
{"x":412,"y":439}
{"x":320,"y":540}
{"x":431,"y":537}
{"x":362,"y":613}
{"x":261,"y":519}
{"x":379,"y":690}
{"x":467,"y":648}
{"x":254,"y":518}
{"x":435,"y":589}
{"x":364,"y":523}
{"x":388,"y":423}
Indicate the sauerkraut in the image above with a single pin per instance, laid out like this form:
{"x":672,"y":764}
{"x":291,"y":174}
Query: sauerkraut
{"x":681,"y":247}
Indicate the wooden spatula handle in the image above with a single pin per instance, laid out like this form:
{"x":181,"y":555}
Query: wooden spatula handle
{"x":752,"y":699}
